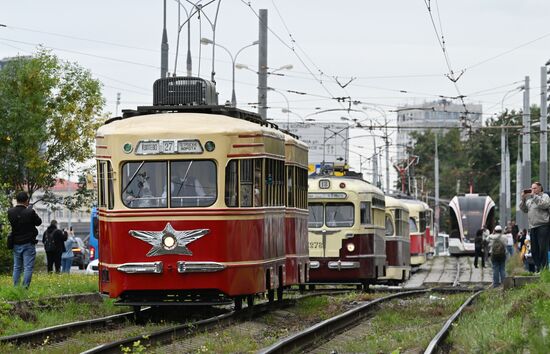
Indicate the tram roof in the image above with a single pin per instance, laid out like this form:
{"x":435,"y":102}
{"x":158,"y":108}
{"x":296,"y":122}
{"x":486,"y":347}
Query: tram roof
{"x":392,"y":202}
{"x":189,"y":122}
{"x":355,"y":184}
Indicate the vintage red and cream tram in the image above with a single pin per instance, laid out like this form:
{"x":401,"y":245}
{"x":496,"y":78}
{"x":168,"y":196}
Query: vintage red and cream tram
{"x":420,"y":226}
{"x":398,"y":256}
{"x":193,"y":201}
{"x":346,"y":230}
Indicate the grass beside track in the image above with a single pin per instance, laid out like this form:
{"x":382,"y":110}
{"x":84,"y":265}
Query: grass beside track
{"x":511,"y":321}
{"x":44,"y":286}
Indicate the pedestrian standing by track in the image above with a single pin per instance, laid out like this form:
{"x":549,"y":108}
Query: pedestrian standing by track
{"x":23,"y":221}
{"x":537,"y":204}
{"x":54,"y":245}
{"x":509,"y":241}
{"x":68,"y":255}
{"x":479,"y":252}
{"x":497,"y":245}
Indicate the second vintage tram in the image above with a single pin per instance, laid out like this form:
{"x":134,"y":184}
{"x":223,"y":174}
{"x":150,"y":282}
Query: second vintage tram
{"x":346,"y":230}
{"x":199,"y":203}
{"x":398,"y":243}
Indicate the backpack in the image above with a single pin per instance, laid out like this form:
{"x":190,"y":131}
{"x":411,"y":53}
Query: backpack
{"x":49,"y":243}
{"x":498,"y":251}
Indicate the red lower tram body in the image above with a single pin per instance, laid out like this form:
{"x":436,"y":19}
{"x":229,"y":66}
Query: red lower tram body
{"x":242,"y":253}
{"x":397,"y":258}
{"x":418,"y":248}
{"x":364,"y":264}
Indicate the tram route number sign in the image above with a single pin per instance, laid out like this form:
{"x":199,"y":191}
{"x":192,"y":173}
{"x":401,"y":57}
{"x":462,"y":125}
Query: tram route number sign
{"x":168,"y":146}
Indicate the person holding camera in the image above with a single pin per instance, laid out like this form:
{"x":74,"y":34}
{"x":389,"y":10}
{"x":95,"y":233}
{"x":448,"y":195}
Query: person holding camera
{"x":23,"y":220}
{"x":537,"y":204}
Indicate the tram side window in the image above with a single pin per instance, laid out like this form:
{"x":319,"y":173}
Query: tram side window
{"x":231,"y":184}
{"x":110,"y":187}
{"x":389,"y":226}
{"x":290,"y":187}
{"x":366,"y":213}
{"x":339,"y":214}
{"x":302,"y":188}
{"x":246,"y":183}
{"x":143,"y":184}
{"x":422,"y":219}
{"x":101,"y":184}
{"x":399,"y":224}
{"x":315,"y":215}
{"x":412,"y":225}
{"x":258,"y":186}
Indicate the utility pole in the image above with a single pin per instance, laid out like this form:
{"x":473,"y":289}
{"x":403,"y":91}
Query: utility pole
{"x":436,"y":178}
{"x":502,"y":189}
{"x":520,"y":216}
{"x":526,"y":138}
{"x":164,"y":48}
{"x":262,"y":65}
{"x":507,"y":191}
{"x":543,"y":167}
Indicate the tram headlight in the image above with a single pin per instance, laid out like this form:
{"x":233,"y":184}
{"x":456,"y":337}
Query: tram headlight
{"x":209,"y":146}
{"x":169,"y":242}
{"x":350,"y":247}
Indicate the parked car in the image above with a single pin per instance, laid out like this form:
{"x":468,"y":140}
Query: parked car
{"x":81,"y":254}
{"x":93,"y":267}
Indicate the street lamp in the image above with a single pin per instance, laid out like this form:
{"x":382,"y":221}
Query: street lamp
{"x":206,"y":41}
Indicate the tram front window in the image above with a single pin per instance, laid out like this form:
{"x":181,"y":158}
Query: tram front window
{"x":192,"y":184}
{"x":315,"y":215}
{"x":339,"y":214}
{"x":143,"y":183}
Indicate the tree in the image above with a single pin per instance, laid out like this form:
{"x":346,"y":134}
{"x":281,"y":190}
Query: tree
{"x":50,"y":110}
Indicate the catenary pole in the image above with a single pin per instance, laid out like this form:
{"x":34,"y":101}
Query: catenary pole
{"x":543,"y":167}
{"x":526,"y":143}
{"x":436,"y":178}
{"x":262,"y":65}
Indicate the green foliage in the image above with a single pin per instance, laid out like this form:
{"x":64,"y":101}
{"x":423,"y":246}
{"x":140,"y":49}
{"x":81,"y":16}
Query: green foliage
{"x":49,"y":110}
{"x":6,"y":255}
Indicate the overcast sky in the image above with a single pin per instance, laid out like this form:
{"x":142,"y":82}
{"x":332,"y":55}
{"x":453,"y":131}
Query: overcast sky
{"x":391,"y":48}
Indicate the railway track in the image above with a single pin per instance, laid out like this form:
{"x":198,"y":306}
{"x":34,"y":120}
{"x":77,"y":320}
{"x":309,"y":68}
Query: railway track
{"x":60,"y":335}
{"x":321,"y":333}
{"x":436,"y":342}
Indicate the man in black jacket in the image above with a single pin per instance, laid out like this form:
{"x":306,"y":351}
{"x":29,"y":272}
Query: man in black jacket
{"x":23,"y":222}
{"x":53,"y":254}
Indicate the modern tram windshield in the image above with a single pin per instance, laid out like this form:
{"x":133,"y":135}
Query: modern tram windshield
{"x":472,"y":215}
{"x":192,"y":183}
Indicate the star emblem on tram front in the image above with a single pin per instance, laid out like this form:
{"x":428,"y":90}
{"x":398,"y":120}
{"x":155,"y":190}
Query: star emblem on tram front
{"x":169,"y":241}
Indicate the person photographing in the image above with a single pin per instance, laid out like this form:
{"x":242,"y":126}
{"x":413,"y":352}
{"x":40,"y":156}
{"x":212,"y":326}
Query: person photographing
{"x":536,"y":204}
